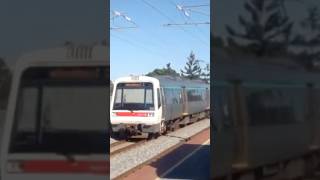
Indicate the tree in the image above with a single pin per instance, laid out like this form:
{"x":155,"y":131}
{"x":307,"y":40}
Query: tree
{"x":5,"y":82}
{"x":205,"y":75}
{"x":309,"y":44}
{"x":164,"y":71}
{"x":267,"y":31}
{"x":192,"y":69}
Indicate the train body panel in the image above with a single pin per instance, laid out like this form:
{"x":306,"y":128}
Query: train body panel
{"x":263,"y":114}
{"x":170,"y":99}
{"x":183,"y":97}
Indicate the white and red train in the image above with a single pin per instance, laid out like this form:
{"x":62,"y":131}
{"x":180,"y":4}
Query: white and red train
{"x":142,"y":104}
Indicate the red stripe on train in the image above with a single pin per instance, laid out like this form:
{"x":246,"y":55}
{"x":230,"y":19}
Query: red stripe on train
{"x":62,"y":166}
{"x":137,"y":114}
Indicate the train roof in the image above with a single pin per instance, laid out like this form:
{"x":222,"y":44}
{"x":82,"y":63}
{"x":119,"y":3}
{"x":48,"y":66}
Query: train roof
{"x":178,"y":81}
{"x":230,"y":67}
{"x":66,"y":56}
{"x":165,"y":81}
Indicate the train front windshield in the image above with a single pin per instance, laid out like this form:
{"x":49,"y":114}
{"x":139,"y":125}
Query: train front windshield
{"x":134,"y":96}
{"x":61,"y":111}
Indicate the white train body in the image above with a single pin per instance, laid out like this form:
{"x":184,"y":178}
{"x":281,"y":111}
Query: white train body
{"x":142,"y":104}
{"x":61,"y":151}
{"x":136,"y":89}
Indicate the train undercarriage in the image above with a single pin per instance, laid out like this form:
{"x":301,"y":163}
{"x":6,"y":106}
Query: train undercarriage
{"x":127,"y":131}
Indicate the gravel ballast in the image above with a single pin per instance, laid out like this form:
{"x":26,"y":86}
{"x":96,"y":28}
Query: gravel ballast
{"x":123,"y":162}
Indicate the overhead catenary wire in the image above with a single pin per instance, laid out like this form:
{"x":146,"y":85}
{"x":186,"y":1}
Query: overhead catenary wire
{"x":202,"y":5}
{"x":116,"y":15}
{"x":191,"y":22}
{"x":199,"y":12}
{"x":159,"y":43}
{"x":135,"y":45}
{"x":191,"y":7}
{"x":186,"y":23}
{"x":121,"y":28}
{"x":173,"y":21}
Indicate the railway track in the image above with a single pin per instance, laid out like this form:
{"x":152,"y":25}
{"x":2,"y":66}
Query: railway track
{"x":122,"y":146}
{"x":123,"y":164}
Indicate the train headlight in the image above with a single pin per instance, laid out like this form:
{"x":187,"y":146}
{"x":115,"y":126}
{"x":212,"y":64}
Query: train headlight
{"x":14,"y":167}
{"x":150,"y":114}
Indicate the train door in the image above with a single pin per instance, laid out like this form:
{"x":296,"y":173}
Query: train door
{"x":222,"y":126}
{"x":207,"y":95}
{"x":160,"y":106}
{"x":161,"y":94}
{"x":184,"y":101}
{"x":315,"y":114}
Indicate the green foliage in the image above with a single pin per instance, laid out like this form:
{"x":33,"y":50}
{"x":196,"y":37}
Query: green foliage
{"x":267,"y":30}
{"x":205,"y":75}
{"x":192,"y":69}
{"x":164,"y":71}
{"x":310,"y":52}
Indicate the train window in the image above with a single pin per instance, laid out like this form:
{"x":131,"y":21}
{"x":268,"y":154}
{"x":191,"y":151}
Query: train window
{"x":159,"y":98}
{"x":180,"y":96}
{"x":275,"y":105}
{"x":148,"y":96}
{"x":194,"y":95}
{"x":134,"y":96}
{"x":173,"y":95}
{"x":52,"y":114}
{"x":177,"y":96}
{"x":222,"y":117}
{"x":118,"y":98}
{"x":166,"y":94}
{"x":27,"y":112}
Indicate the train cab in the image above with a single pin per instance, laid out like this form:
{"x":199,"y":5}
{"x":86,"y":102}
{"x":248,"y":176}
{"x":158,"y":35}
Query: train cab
{"x":136,"y":105}
{"x":55,"y":123}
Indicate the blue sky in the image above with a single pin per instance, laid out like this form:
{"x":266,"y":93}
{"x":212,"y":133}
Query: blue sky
{"x":36,"y":24}
{"x":151,"y":45}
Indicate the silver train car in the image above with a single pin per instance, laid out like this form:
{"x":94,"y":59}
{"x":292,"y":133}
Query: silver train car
{"x":264,"y":116}
{"x":153,"y":105}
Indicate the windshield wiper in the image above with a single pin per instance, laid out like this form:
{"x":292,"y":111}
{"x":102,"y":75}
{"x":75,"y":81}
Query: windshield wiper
{"x":131,"y":110}
{"x":68,"y":156}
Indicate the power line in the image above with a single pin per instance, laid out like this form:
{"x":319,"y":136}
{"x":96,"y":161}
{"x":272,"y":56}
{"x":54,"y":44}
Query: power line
{"x":170,"y":19}
{"x":116,"y":15}
{"x":200,"y":30}
{"x":121,"y":28}
{"x":202,"y":5}
{"x":137,"y":44}
{"x":186,"y":23}
{"x":189,"y":18}
{"x":158,"y":10}
{"x":199,"y":12}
